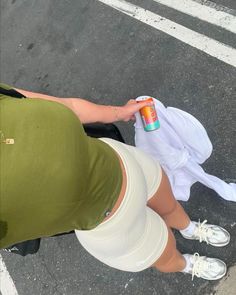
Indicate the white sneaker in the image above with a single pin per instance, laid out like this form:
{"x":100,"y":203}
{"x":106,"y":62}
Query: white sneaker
{"x":209,"y":233}
{"x":206,"y":268}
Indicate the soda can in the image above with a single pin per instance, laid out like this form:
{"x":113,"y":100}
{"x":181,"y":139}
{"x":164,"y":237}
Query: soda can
{"x":149,"y":116}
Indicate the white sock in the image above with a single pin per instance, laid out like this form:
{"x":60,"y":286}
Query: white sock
{"x":189,"y":230}
{"x":189,"y":264}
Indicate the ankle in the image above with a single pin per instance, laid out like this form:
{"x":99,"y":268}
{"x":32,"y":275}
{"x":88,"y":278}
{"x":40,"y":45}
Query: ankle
{"x":188,"y":263}
{"x":189,"y":230}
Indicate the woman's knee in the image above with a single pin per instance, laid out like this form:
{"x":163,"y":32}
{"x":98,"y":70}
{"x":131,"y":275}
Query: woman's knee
{"x":164,"y":206}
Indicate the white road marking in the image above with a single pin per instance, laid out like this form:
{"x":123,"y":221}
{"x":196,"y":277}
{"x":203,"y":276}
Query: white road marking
{"x":205,"y":13}
{"x":217,"y":6}
{"x":7,"y":286}
{"x":210,"y":46}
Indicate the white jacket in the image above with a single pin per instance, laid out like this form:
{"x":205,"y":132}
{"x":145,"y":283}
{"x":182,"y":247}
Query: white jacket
{"x":181,"y":145}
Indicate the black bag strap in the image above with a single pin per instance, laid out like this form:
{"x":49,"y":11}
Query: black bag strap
{"x":24,"y":248}
{"x":109,"y":130}
{"x":11,"y":92}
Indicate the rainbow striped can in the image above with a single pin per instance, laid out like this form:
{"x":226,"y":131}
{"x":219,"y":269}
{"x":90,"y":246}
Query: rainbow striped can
{"x":149,"y":116}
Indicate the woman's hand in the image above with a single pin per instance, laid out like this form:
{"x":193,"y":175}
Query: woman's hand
{"x":127,"y":112}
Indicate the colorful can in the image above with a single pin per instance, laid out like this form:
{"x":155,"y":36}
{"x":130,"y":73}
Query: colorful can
{"x":149,"y":116}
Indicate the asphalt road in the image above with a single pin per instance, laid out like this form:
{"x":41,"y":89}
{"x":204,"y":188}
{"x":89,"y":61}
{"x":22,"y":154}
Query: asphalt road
{"x":88,"y":49}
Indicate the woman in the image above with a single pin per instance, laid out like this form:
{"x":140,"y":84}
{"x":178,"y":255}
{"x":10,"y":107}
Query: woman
{"x":55,"y":179}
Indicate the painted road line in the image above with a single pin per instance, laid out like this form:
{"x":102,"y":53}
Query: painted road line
{"x":210,"y":46}
{"x":205,"y":13}
{"x":217,"y":6}
{"x":7,"y":286}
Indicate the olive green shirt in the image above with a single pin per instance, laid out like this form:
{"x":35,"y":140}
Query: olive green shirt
{"x":53,"y":178}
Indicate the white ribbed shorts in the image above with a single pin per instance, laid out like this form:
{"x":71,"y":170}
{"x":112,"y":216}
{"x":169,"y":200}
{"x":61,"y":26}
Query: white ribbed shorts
{"x":135,"y":236}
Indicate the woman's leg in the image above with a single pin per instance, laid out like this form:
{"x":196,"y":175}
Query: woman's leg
{"x":171,"y":259}
{"x":164,"y":203}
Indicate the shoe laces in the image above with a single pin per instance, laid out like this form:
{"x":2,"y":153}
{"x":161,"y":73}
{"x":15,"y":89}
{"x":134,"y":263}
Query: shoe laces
{"x":203,"y":232}
{"x":199,"y":265}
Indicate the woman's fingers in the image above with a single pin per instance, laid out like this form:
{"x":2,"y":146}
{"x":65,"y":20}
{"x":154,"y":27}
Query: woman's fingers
{"x":139,"y":105}
{"x":132,"y":107}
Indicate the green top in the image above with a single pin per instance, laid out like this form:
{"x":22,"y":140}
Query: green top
{"x":54,"y":178}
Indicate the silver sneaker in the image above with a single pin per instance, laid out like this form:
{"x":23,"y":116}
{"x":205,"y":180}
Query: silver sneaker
{"x":209,"y":233}
{"x":206,"y":268}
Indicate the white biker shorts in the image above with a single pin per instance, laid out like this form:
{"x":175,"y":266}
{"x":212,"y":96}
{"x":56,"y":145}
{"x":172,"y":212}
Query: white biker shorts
{"x":135,"y":236}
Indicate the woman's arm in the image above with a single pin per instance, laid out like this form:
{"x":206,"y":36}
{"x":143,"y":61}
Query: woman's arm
{"x":89,"y":112}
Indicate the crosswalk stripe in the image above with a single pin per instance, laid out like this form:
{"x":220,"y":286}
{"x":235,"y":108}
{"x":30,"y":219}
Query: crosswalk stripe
{"x":7,"y":286}
{"x":217,"y":6}
{"x":210,"y":46}
{"x":205,"y":13}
